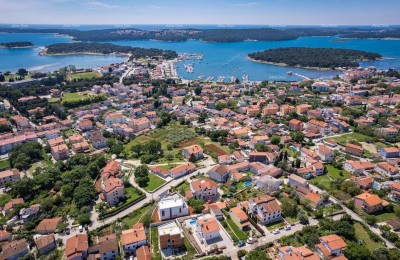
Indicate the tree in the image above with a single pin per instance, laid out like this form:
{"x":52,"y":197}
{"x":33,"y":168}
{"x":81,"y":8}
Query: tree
{"x":371,"y":220}
{"x":260,"y":147}
{"x":84,"y":193}
{"x":350,"y":188}
{"x":196,"y":204}
{"x":197,"y":90}
{"x":142,"y":175}
{"x":22,"y":73}
{"x":114,"y":146}
{"x":355,"y":251}
{"x":2,"y":78}
{"x":297,"y":136}
{"x":289,"y":207}
{"x":275,"y":139}
{"x":256,"y":255}
{"x":138,"y":149}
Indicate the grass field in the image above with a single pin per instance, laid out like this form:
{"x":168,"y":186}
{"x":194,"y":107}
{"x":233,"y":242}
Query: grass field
{"x":85,"y":75}
{"x":7,"y":77}
{"x":335,"y":173}
{"x":4,"y":199}
{"x":76,"y":96}
{"x":136,"y":216}
{"x":344,"y":139}
{"x":4,"y":165}
{"x":362,"y":234}
{"x":156,"y":253}
{"x":154,"y":182}
{"x":322,"y":182}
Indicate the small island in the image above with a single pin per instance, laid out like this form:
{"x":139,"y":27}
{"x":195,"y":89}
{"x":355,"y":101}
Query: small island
{"x":22,"y":44}
{"x":79,"y":48}
{"x":314,"y":58}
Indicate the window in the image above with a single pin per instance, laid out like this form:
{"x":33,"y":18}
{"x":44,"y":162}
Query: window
{"x":162,"y":213}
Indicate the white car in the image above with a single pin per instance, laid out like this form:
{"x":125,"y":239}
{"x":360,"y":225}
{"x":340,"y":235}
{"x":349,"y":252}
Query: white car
{"x":276,"y":232}
{"x":288,"y":227}
{"x":80,"y":229}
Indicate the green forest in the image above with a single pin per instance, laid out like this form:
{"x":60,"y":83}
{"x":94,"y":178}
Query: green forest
{"x":314,"y":57}
{"x":16,"y":44}
{"x":108,"y":48}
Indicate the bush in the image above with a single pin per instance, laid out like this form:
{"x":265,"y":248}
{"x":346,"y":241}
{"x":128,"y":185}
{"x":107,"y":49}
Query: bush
{"x":241,"y":253}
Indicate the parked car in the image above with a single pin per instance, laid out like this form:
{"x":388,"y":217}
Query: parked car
{"x":276,"y":232}
{"x":241,"y":244}
{"x":67,"y":231}
{"x":288,"y":227}
{"x":80,"y":229}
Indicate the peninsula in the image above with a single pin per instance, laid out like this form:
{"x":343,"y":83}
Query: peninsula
{"x":316,"y":58}
{"x":105,"y":49}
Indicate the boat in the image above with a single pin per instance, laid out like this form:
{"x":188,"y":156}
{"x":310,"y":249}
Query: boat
{"x":289,"y":73}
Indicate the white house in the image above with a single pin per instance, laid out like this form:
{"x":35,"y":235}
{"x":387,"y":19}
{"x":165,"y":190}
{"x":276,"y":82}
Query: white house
{"x":207,"y":228}
{"x":172,"y":206}
{"x":132,"y":239}
{"x":266,"y":209}
{"x":205,"y":190}
{"x":297,"y":180}
{"x":218,"y":173}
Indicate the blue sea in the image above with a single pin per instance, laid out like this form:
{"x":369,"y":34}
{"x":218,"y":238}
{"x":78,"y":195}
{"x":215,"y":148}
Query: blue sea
{"x":220,"y":59}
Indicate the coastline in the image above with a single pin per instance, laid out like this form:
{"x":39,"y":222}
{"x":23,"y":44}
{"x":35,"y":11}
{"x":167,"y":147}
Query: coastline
{"x":43,"y":52}
{"x":297,"y":66}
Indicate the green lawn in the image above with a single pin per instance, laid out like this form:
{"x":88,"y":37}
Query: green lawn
{"x":75,"y":96}
{"x":85,"y":75}
{"x":380,"y":145}
{"x":156,"y":253}
{"x":4,"y":199}
{"x":362,"y":234}
{"x":154,"y":182}
{"x":336,"y":173}
{"x":239,"y":234}
{"x":4,"y":165}
{"x":322,"y":182}
{"x":132,"y":193}
{"x":385,"y":216}
{"x":344,"y":139}
{"x":135,"y":216}
{"x":275,"y":225}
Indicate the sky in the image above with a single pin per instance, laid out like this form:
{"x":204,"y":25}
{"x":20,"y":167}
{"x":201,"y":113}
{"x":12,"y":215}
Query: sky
{"x":220,"y":12}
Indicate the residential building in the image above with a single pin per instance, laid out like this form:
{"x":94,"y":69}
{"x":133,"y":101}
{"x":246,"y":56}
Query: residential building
{"x":48,"y":225}
{"x":193,"y":151}
{"x":143,"y":253}
{"x":297,"y":180}
{"x":14,"y":250}
{"x":331,"y":246}
{"x":386,"y":169}
{"x":218,"y":173}
{"x":325,"y":153}
{"x":181,"y":170}
{"x":60,"y":152}
{"x":172,"y":206}
{"x":108,"y":247}
{"x":133,"y":238}
{"x":356,"y":167}
{"x":45,"y":244}
{"x":266,"y":209}
{"x":370,"y":203}
{"x":354,"y":150}
{"x":170,"y":236}
{"x":297,"y":253}
{"x":389,"y":152}
{"x":204,"y":189}
{"x":207,"y":229}
{"x":113,"y":190}
{"x":10,"y":205}
{"x":7,"y":176}
{"x":76,"y":247}
{"x":240,"y":218}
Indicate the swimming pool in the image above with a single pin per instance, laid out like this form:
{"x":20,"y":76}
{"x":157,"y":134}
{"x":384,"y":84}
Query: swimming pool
{"x":193,"y":222}
{"x":247,"y":183}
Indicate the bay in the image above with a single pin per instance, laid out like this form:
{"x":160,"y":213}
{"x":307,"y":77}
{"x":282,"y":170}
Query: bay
{"x":220,"y":59}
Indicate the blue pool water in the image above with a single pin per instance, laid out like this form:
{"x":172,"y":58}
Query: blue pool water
{"x":247,"y":183}
{"x":193,"y":222}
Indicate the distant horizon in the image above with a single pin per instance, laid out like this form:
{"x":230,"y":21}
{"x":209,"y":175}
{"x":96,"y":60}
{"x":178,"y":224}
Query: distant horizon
{"x":194,"y":12}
